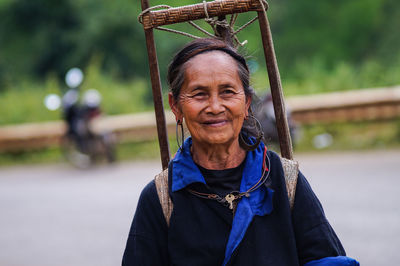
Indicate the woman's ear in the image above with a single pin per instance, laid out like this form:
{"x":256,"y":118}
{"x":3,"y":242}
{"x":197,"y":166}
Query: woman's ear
{"x":174,"y":107}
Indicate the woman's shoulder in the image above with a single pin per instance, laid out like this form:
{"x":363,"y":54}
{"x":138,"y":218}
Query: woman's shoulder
{"x":275,"y":161}
{"x":149,"y":193}
{"x":149,"y":203}
{"x":273,"y":155}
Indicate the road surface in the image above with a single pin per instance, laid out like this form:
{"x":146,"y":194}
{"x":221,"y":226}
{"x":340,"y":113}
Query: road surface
{"x":56,"y":215}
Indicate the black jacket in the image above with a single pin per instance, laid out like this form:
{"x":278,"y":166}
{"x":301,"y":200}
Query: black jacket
{"x":199,"y":229}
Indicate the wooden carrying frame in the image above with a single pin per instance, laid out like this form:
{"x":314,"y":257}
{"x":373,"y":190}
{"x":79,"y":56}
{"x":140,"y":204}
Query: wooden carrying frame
{"x":219,"y":8}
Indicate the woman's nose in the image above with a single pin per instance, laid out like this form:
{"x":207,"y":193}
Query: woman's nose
{"x":215,"y":105}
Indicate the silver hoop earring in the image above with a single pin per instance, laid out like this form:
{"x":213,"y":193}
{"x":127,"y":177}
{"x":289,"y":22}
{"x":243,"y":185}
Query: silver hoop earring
{"x":179,"y":123}
{"x":256,"y":126}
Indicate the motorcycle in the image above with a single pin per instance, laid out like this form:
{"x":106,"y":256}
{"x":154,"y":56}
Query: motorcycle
{"x":80,"y":145}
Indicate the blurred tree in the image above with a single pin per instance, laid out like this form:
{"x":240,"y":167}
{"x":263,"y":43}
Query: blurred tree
{"x":387,"y":37}
{"x":110,"y":28}
{"x":332,"y":31}
{"x":35,"y":36}
{"x":44,"y":36}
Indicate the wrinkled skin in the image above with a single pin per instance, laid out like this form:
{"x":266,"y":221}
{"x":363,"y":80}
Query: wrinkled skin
{"x":213,"y":104}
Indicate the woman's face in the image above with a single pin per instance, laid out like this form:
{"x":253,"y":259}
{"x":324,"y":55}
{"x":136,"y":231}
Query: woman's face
{"x":212,"y":100}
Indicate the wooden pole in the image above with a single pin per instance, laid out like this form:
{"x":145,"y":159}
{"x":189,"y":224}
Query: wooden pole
{"x":276,"y":87}
{"x":157,"y":93}
{"x":220,"y":9}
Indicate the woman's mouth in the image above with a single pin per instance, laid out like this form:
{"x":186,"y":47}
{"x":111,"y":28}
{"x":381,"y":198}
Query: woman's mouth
{"x":215,"y":123}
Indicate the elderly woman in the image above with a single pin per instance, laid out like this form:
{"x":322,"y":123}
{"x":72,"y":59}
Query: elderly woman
{"x":227,"y":197}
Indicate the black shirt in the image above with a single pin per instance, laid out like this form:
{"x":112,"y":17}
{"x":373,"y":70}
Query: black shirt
{"x":224,"y":181}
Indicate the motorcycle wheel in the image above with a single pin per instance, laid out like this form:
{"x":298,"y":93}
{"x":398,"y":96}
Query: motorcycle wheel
{"x":108,"y":147}
{"x":74,"y":154}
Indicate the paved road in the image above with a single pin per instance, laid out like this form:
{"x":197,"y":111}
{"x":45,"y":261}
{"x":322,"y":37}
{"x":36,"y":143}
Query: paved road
{"x":56,"y":215}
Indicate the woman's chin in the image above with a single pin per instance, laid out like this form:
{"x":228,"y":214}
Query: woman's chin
{"x":216,"y":140}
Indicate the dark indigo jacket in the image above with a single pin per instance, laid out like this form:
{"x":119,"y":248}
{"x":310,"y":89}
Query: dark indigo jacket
{"x":203,"y":232}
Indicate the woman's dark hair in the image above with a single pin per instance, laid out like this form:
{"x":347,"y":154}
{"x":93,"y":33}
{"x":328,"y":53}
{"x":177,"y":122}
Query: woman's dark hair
{"x":176,"y":69}
{"x":176,"y":76}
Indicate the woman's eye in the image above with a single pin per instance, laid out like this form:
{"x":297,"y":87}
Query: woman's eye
{"x":199,"y":95}
{"x":227,"y":92}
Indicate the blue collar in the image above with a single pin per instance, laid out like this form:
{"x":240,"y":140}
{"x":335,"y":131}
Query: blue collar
{"x":185,"y":172}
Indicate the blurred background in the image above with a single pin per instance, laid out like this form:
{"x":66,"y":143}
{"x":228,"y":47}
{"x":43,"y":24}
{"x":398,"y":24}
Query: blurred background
{"x":76,"y":150}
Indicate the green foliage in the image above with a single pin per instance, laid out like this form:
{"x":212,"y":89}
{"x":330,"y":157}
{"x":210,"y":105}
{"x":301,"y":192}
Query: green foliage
{"x":24,"y":103}
{"x":35,"y":35}
{"x":43,"y":36}
{"x":38,"y":37}
{"x":118,"y":97}
{"x":353,"y":136}
{"x":332,"y":31}
{"x":314,"y":77}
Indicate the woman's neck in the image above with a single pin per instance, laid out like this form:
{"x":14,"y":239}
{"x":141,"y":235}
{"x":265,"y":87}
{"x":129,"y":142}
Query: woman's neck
{"x":217,"y":156}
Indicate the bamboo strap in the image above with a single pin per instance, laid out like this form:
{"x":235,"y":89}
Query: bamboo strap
{"x":198,"y":11}
{"x":290,"y":169}
{"x":161,"y":181}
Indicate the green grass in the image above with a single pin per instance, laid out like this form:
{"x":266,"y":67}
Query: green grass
{"x":315,"y":77}
{"x":24,"y":102}
{"x":146,"y":150}
{"x":49,"y":155}
{"x":353,"y":136}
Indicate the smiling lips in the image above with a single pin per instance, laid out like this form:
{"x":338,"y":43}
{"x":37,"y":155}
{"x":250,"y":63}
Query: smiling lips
{"x":215,"y":123}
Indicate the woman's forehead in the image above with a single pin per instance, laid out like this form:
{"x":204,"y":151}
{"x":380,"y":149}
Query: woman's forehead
{"x":211,"y":62}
